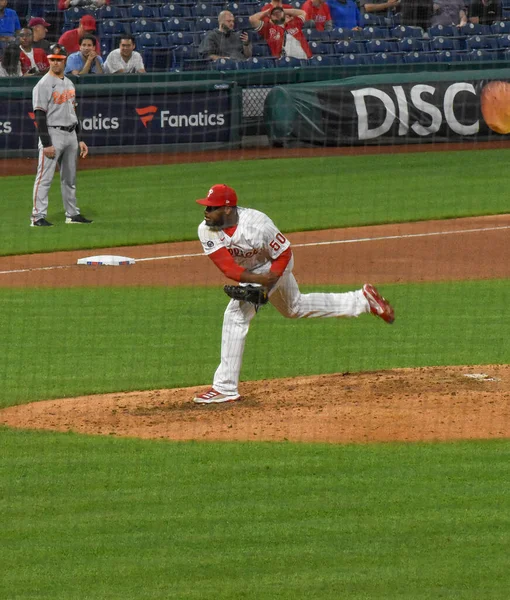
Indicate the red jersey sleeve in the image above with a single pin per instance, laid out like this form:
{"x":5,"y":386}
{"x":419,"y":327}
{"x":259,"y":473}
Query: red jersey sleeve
{"x":226,"y":264}
{"x":280,"y":264}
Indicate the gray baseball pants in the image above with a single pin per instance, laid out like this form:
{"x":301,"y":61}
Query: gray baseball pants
{"x":66,"y":155}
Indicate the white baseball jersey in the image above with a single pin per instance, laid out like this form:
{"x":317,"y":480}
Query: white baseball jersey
{"x":115,"y":62}
{"x":255,"y":243}
{"x":56,"y":97}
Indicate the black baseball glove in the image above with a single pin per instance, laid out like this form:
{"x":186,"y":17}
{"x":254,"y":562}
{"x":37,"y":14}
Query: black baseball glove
{"x":255,"y":294}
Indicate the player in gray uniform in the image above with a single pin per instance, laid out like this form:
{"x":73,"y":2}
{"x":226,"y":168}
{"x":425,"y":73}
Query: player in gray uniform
{"x":55,"y":113}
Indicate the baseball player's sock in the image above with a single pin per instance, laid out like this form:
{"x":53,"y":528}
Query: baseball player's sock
{"x":42,"y":222}
{"x":77,"y":219}
{"x":214,"y":397}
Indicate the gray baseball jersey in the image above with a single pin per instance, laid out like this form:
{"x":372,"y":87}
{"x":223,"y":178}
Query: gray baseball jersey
{"x":57,"y":98}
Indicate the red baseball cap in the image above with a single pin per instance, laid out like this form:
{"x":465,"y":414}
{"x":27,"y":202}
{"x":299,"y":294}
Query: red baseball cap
{"x":219,"y":195}
{"x":38,"y":21}
{"x":88,"y":23}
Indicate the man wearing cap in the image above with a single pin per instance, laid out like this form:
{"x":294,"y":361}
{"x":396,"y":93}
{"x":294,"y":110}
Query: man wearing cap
{"x":9,"y":22}
{"x":247,"y":247}
{"x":59,"y":131}
{"x":71,"y":39}
{"x":39,"y":27}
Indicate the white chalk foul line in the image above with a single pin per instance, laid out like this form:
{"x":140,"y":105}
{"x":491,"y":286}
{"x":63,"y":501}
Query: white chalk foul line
{"x":330,"y":243}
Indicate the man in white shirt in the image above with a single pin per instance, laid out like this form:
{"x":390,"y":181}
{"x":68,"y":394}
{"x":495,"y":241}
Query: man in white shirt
{"x":125,"y":59}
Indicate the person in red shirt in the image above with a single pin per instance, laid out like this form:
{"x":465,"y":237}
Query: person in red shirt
{"x":71,"y":39}
{"x":282,"y":28}
{"x":318,"y":12}
{"x":33,"y":60}
{"x":275,"y":4}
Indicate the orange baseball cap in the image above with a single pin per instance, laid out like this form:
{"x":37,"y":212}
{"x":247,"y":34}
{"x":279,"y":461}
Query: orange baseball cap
{"x":88,"y":23}
{"x":219,"y":195}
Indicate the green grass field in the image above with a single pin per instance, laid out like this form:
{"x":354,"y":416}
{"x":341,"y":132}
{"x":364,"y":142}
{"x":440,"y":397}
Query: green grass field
{"x":99,"y":518}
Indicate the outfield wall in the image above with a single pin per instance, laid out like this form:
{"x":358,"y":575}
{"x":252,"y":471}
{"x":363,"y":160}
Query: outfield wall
{"x":214,"y":109}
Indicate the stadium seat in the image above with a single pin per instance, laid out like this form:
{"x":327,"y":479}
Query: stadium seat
{"x":320,"y":48}
{"x":324,"y":61}
{"x":180,"y":11}
{"x":257,"y":63}
{"x":450,"y":56}
{"x":106,"y":46}
{"x":406,"y":31}
{"x":503,"y":41}
{"x":340,"y":34}
{"x":500,"y":27}
{"x":146,"y":26}
{"x":442,"y":43}
{"x":479,"y":42}
{"x":261,"y":50}
{"x":386,"y":58}
{"x":442,"y":31}
{"x":111,"y":28}
{"x":110,"y":12}
{"x":480,"y":55}
{"x":418,"y":57}
{"x":206,"y":24}
{"x":144,"y":11}
{"x":176,"y":24}
{"x":346,"y":47}
{"x":183,"y":53}
{"x":313,"y":35}
{"x":206,"y":9}
{"x":181,"y":38}
{"x":149,"y":40}
{"x":354,"y":59}
{"x":374,"y":46}
{"x":224,"y":64}
{"x":412,"y":45}
{"x":74,"y":14}
{"x":157,"y":59}
{"x":288,"y":63}
{"x":474,"y":29}
{"x":374,"y":33}
{"x":373,"y":20}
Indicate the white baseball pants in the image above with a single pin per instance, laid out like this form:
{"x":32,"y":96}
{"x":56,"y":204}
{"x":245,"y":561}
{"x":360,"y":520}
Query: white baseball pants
{"x":291,"y":303}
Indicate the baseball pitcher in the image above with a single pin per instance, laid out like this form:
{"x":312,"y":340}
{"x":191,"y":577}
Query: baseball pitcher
{"x":248,"y":247}
{"x":54,"y":103}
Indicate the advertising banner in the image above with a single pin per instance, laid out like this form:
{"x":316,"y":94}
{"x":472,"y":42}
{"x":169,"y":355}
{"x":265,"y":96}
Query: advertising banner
{"x":143,"y":119}
{"x":390,"y":113}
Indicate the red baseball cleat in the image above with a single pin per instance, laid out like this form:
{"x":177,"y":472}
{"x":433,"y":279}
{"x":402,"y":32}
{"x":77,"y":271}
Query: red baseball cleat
{"x":379,"y":306}
{"x":214,"y":397}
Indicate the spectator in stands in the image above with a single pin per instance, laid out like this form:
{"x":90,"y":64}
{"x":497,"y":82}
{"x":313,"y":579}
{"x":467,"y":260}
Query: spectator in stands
{"x":275,"y":4}
{"x":33,"y":60}
{"x":345,"y":14}
{"x":71,"y":39}
{"x":64,"y":4}
{"x":40,"y":29}
{"x":86,"y":61}
{"x":379,"y":6}
{"x":485,"y":12}
{"x":317,"y":11}
{"x":224,"y":42}
{"x":416,"y":13}
{"x":449,"y":12}
{"x":282,"y":28}
{"x":10,"y":65}
{"x":125,"y":59}
{"x":9,"y":23}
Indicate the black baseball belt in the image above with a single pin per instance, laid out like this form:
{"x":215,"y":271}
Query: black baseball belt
{"x":69,"y":129}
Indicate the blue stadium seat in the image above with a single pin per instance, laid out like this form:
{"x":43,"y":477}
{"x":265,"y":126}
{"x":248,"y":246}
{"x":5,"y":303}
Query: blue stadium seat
{"x":176,"y":24}
{"x":374,"y":46}
{"x":451,"y":56}
{"x":412,"y":45}
{"x":354,"y":59}
{"x":157,"y":59}
{"x":111,"y":12}
{"x":181,"y":38}
{"x":324,"y":61}
{"x":340,"y":34}
{"x":313,"y":35}
{"x":74,"y":14}
{"x":320,"y":48}
{"x":288,"y":62}
{"x":224,"y":64}
{"x":143,"y":11}
{"x":145,"y":25}
{"x":442,"y":31}
{"x":480,"y":55}
{"x":370,"y":19}
{"x":106,"y":46}
{"x":261,"y":50}
{"x":375,"y":33}
{"x":111,"y":28}
{"x":149,"y":40}
{"x":182,"y":53}
{"x":206,"y":9}
{"x":206,"y":24}
{"x":346,"y":47}
{"x":387,"y":58}
{"x":442,"y":43}
{"x":257,"y":63}
{"x":479,"y":42}
{"x":500,"y":27}
{"x":474,"y":29}
{"x":242,"y":8}
{"x":180,"y":11}
{"x":242,"y":22}
{"x":418,"y":57}
{"x":406,"y":31}
{"x":503,"y":41}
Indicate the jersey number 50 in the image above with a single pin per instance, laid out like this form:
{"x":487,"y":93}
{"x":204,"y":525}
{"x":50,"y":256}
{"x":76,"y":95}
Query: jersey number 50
{"x":277,"y":243}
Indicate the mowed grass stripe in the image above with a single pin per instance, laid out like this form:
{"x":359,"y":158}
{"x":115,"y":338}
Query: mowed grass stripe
{"x":107,"y":518}
{"x":68,"y":342}
{"x":157,"y":204}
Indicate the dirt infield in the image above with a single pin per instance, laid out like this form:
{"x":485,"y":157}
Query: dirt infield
{"x":405,"y":404}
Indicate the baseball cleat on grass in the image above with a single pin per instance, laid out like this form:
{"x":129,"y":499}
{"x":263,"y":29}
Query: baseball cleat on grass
{"x":77,"y":219}
{"x":379,"y":306}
